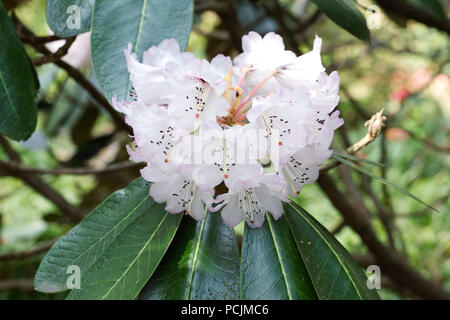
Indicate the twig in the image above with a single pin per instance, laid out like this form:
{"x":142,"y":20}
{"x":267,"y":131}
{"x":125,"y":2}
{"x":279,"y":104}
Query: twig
{"x":53,"y":57}
{"x":20,"y":255}
{"x":21,"y":284}
{"x":374,"y":126}
{"x":74,"y":73}
{"x":44,"y":39}
{"x":12,"y":154}
{"x":71,"y":171}
{"x":40,"y":186}
{"x":97,"y":95}
{"x":338,"y":228}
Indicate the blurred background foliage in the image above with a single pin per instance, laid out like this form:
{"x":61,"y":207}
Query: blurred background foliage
{"x":404,"y":70}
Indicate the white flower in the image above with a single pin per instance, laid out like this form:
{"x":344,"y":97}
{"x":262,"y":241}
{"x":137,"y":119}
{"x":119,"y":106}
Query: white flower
{"x":257,"y":129}
{"x":262,"y":56}
{"x":324,"y":96}
{"x":286,"y":113}
{"x":148,"y":78}
{"x":179,"y":193}
{"x":303,"y":168}
{"x":251,"y":194}
{"x":305,"y":70}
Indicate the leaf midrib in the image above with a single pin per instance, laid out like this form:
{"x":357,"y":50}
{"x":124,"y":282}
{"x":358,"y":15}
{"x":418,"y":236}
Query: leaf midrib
{"x":137,"y":256}
{"x":195,"y":259}
{"x":343,"y":265}
{"x":9,"y":97}
{"x":283,"y":272}
{"x":105,"y":235}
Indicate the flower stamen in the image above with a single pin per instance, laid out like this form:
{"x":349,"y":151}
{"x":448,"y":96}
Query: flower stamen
{"x":255,"y":89}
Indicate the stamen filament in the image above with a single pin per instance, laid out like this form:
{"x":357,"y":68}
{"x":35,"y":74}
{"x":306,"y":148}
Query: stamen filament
{"x":243,"y":74}
{"x":259,"y":85}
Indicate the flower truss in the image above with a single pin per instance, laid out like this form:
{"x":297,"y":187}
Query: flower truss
{"x":241,"y":135}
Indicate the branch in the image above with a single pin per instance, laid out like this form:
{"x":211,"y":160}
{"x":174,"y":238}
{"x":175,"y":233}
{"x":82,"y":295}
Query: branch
{"x":20,"y":255}
{"x":44,"y":39}
{"x":28,"y":36}
{"x":21,"y":284}
{"x":389,"y":261}
{"x":15,"y":166}
{"x":95,"y":93}
{"x":53,"y":57}
{"x":40,"y":186}
{"x":12,"y":154}
{"x":338,"y":228}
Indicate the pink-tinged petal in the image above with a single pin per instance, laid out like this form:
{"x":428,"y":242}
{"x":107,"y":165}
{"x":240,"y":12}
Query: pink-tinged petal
{"x":269,"y":201}
{"x":198,"y":211}
{"x":243,"y":176}
{"x":155,"y":174}
{"x":250,"y":41}
{"x":262,"y":56}
{"x":231,"y":213}
{"x":304,"y":71}
{"x":162,"y":191}
{"x":303,"y":168}
{"x":121,"y":106}
{"x":325,"y":96}
{"x":221,"y":65}
{"x":274,"y":40}
{"x":158,"y":56}
{"x":336,"y":121}
{"x":207,"y":176}
{"x":201,"y":201}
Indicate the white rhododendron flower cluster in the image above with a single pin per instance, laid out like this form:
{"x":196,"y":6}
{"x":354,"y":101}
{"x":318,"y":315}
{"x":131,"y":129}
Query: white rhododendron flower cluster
{"x":257,"y":128}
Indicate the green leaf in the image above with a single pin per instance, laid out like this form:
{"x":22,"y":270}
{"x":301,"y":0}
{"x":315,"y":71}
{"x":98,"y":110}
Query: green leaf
{"x":143,"y":23}
{"x":18,"y":84}
{"x":345,"y":15}
{"x":381,"y":179}
{"x":116,"y":247}
{"x":333,"y":272}
{"x":295,"y":257}
{"x":434,"y":7}
{"x":202,"y":263}
{"x":271,"y":265}
{"x":67,"y":18}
